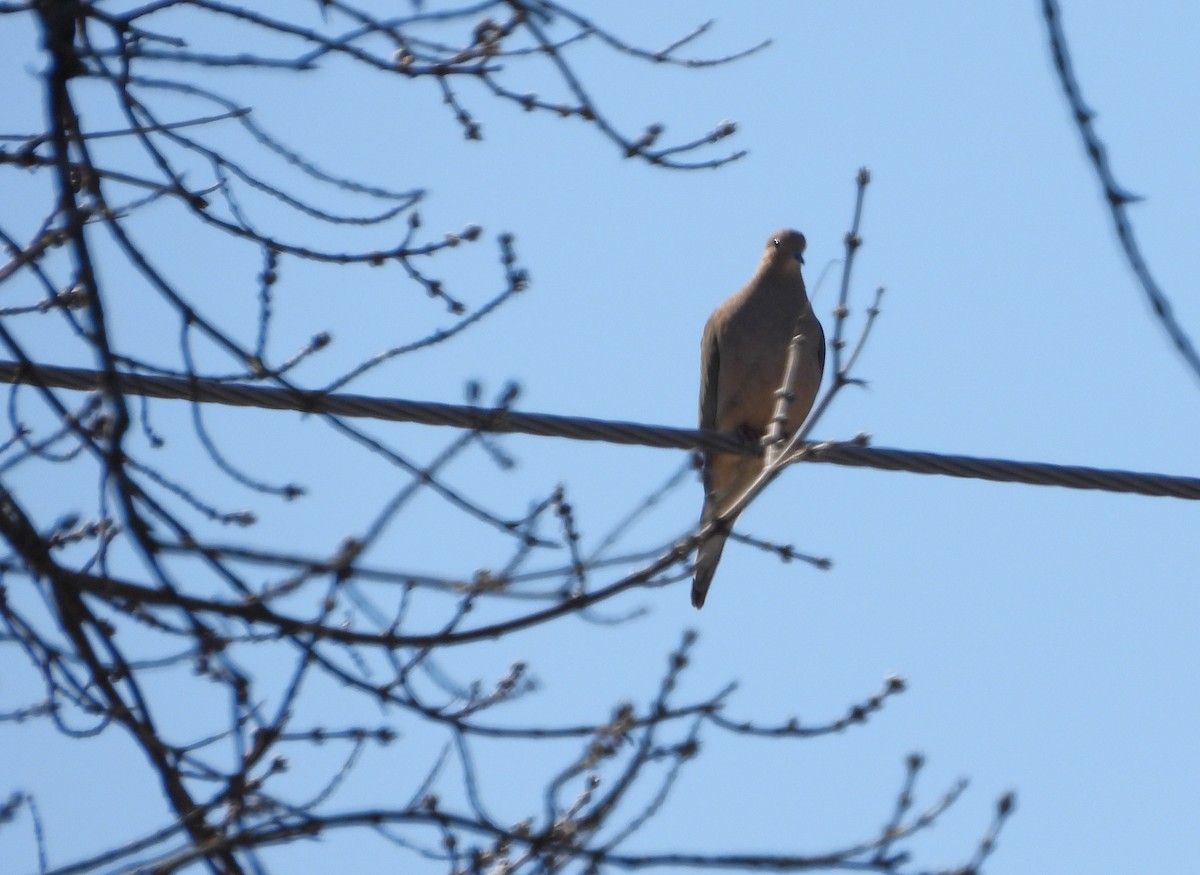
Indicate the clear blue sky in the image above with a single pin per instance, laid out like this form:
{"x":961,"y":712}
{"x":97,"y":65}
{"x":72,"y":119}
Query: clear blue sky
{"x":1049,"y":637}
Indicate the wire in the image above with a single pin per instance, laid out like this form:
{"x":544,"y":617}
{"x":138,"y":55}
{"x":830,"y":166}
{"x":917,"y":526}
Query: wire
{"x":849,"y":453}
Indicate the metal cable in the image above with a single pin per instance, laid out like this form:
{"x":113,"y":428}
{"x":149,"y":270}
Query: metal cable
{"x":853,"y":454}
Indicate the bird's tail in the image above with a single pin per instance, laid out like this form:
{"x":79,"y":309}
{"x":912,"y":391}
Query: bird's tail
{"x":707,"y":558}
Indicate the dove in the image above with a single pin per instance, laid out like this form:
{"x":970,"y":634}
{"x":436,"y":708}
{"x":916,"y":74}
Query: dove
{"x":743,"y":354}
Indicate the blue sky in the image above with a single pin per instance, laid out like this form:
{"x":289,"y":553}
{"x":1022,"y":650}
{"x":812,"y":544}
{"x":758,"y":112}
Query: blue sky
{"x":1049,"y":637}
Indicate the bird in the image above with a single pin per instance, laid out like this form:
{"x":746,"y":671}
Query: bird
{"x":743,"y":354}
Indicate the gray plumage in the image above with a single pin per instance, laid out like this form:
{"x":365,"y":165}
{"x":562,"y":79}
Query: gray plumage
{"x":742,"y":357}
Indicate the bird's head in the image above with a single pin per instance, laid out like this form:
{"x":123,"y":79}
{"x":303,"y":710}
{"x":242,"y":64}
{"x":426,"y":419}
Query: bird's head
{"x":785,"y":246}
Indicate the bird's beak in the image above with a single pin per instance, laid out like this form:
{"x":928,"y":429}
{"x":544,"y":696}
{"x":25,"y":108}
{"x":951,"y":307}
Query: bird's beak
{"x":800,"y":257}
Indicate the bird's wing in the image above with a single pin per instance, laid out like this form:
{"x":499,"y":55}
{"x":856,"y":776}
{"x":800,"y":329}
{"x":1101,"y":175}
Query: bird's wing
{"x":820,"y":344}
{"x":710,"y":368}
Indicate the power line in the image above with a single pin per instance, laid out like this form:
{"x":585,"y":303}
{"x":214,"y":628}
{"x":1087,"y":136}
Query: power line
{"x":853,"y":453}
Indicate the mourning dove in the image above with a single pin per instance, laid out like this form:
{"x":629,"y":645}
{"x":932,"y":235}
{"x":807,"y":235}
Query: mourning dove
{"x":743,"y":354}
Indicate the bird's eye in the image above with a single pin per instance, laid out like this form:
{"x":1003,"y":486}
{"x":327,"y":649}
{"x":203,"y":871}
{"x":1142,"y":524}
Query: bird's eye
{"x":776,"y":242}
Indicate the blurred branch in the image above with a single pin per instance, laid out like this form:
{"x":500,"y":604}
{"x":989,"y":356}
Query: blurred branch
{"x":1117,"y":196}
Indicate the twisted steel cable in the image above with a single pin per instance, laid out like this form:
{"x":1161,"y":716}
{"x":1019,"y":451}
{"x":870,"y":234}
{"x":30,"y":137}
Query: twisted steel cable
{"x":852,"y":453}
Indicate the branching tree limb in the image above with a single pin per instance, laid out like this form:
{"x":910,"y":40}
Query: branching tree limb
{"x":123,"y":581}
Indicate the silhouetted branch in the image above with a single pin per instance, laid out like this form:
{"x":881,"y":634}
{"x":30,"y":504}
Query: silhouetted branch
{"x":258,"y":682}
{"x":1117,"y":196}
